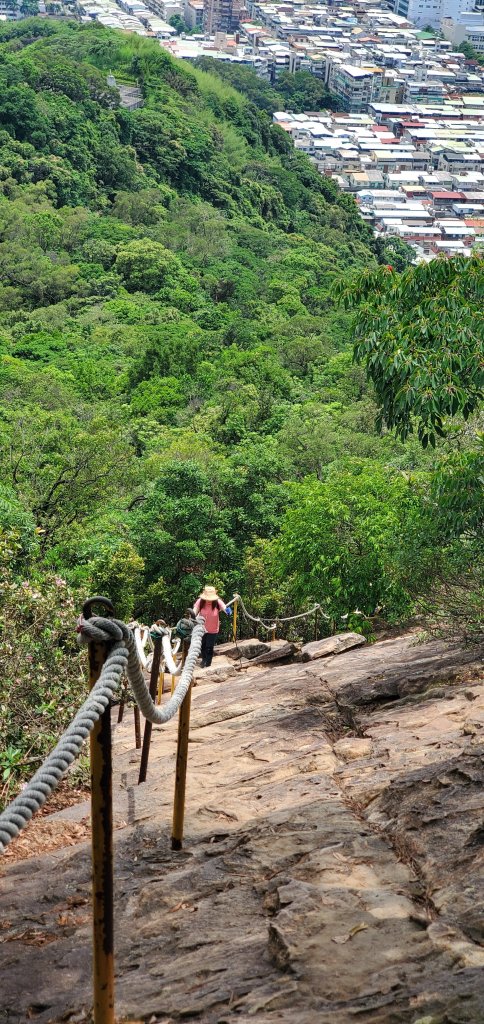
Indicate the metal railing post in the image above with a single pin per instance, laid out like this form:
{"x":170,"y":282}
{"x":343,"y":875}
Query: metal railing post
{"x":137,"y":728}
{"x":102,"y":841}
{"x":155,"y":671}
{"x":234,"y":628}
{"x":161,"y":686}
{"x":181,"y":765}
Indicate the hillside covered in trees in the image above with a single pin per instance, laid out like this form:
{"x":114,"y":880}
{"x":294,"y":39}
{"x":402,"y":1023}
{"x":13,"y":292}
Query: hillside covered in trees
{"x":180,"y":293}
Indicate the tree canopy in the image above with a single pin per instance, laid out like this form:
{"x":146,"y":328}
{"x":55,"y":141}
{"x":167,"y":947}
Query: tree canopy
{"x":421,"y":337}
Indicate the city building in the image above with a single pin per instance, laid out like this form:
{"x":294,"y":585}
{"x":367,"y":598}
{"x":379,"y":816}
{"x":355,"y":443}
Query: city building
{"x":9,"y":10}
{"x":468,"y":28}
{"x":221,"y":15}
{"x":431,"y":12}
{"x":351,"y":86}
{"x":414,"y":175}
{"x":193,"y":14}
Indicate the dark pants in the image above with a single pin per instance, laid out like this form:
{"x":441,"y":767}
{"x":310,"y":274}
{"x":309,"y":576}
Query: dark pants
{"x":208,"y":643}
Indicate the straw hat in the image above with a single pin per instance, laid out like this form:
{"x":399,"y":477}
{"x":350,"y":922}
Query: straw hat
{"x":209,"y":594}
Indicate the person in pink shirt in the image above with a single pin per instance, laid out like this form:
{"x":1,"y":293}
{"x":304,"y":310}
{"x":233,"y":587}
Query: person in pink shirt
{"x":209,"y":605}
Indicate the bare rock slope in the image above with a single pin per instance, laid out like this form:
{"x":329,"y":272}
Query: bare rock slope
{"x":332,"y":866}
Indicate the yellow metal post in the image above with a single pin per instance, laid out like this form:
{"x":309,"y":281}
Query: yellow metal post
{"x":102,"y":844}
{"x":155,"y":671}
{"x":184,"y":652}
{"x":161,"y":685}
{"x":234,"y":628}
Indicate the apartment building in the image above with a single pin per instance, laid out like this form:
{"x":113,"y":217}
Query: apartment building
{"x":468,"y":28}
{"x":351,"y":86}
{"x":193,"y":13}
{"x":431,"y":12}
{"x":9,"y":10}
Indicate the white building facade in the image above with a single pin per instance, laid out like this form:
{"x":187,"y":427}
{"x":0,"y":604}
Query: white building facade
{"x":431,"y":12}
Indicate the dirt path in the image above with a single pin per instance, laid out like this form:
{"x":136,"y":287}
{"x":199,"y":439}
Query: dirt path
{"x":332,"y":869}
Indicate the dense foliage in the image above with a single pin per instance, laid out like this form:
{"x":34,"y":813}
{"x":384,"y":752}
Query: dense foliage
{"x":178,"y":397}
{"x":421,"y":333}
{"x":470,"y":52}
{"x":299,"y":91}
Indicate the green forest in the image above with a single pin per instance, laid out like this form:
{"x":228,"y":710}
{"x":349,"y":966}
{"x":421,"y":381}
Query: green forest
{"x":210,"y":372}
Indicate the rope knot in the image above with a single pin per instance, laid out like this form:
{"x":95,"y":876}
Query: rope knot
{"x":104,"y":631}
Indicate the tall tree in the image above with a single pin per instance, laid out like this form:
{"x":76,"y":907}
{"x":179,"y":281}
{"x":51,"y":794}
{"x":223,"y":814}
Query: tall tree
{"x":421,"y":337}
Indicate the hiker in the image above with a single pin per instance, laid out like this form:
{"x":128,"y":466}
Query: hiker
{"x":209,"y":605}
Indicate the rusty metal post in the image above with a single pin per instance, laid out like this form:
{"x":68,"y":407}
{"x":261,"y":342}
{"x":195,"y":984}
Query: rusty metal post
{"x":234,"y":628}
{"x":102,"y":841}
{"x":155,"y":671}
{"x":137,"y":728}
{"x":316,"y":623}
{"x":181,"y":764}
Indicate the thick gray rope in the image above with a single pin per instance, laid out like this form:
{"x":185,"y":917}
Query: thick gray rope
{"x":122,"y":658}
{"x":45,"y":780}
{"x":162,"y":714}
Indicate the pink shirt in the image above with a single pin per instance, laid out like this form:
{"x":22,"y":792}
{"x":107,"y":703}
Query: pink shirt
{"x":209,"y":613}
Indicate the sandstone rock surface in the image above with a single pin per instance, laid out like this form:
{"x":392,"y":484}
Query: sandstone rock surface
{"x":351,"y":748}
{"x":331,"y":645}
{"x":314,"y":887}
{"x":251,"y":648}
{"x":279,"y":650}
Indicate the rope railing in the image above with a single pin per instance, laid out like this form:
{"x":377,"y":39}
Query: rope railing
{"x":42,"y":785}
{"x":115,"y":651}
{"x":123,"y":658}
{"x":278,"y":620}
{"x":270,"y":624}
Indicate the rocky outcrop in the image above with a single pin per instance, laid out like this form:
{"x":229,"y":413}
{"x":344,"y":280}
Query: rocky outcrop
{"x":279,"y":650}
{"x":332,"y":864}
{"x":331,"y":645}
{"x":252,"y":648}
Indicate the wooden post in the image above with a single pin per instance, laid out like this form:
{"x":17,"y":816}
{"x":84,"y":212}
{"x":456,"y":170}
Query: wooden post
{"x":102,"y":841}
{"x":137,"y":728}
{"x":316,"y":623}
{"x":155,"y":671}
{"x":234,"y":627}
{"x":161,"y":686}
{"x":181,"y":765}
